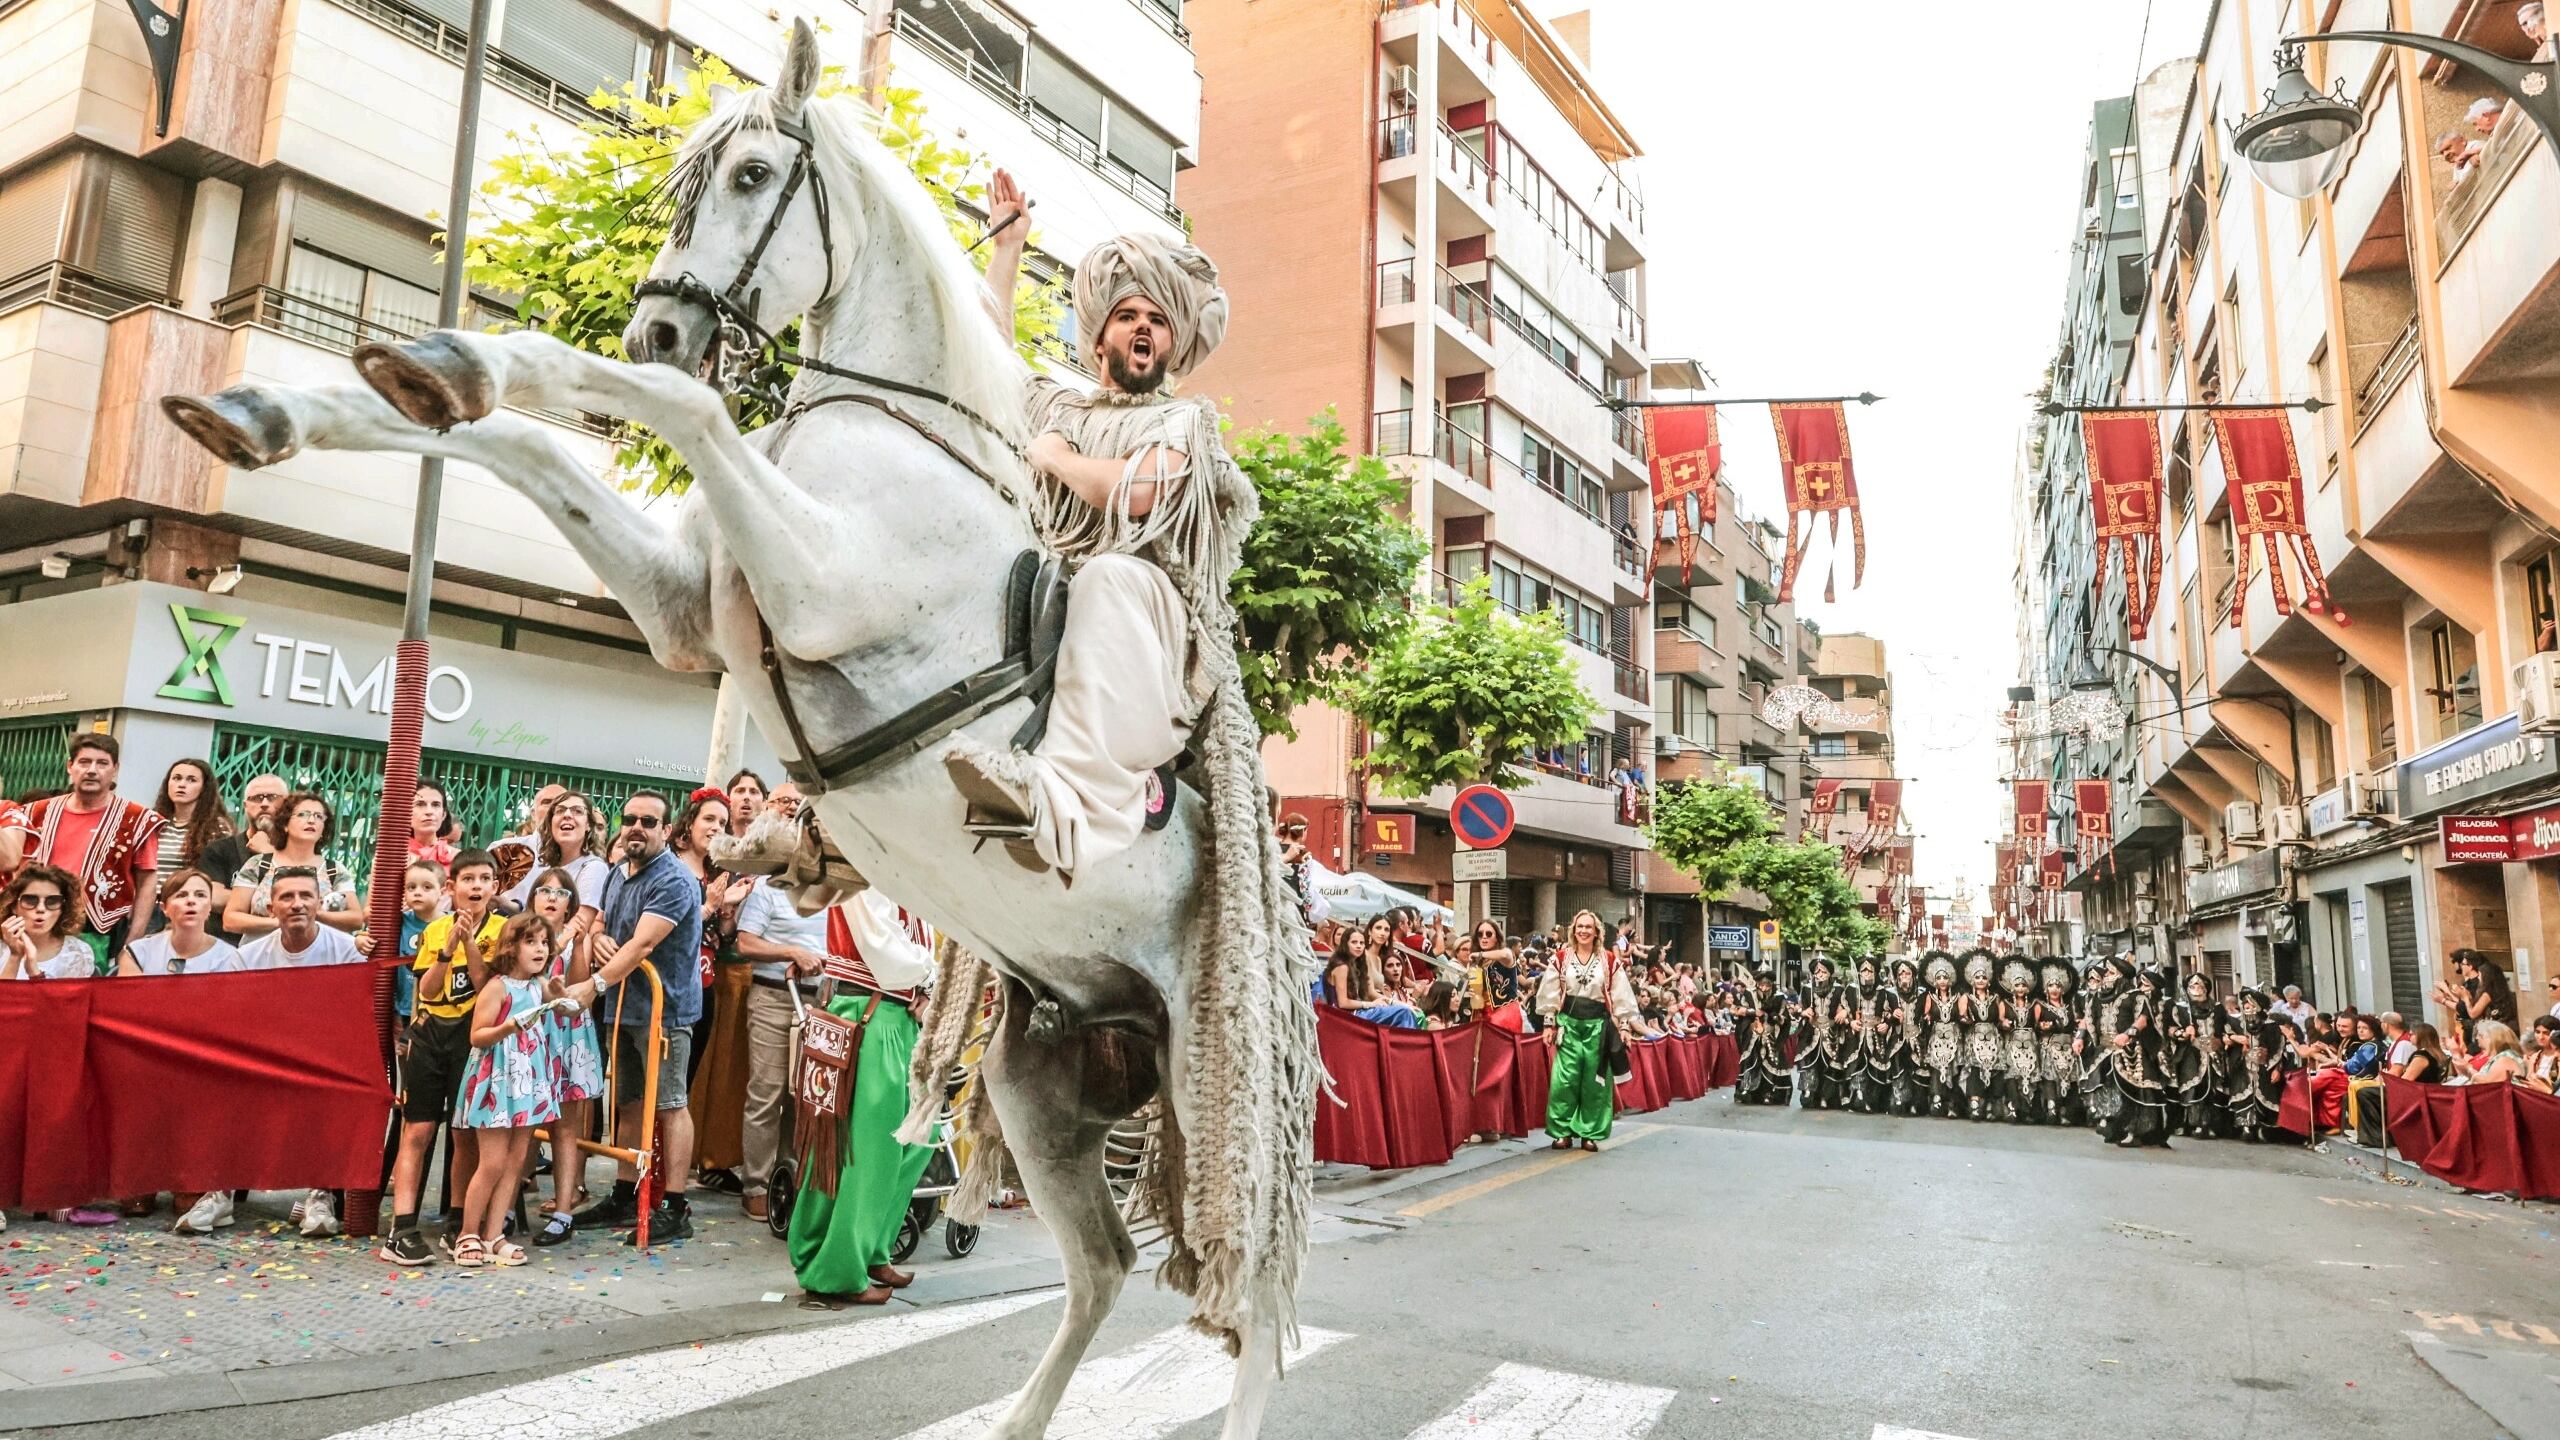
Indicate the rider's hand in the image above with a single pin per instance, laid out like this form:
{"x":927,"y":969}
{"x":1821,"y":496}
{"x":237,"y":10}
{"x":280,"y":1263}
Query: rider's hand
{"x":1050,"y":451}
{"x":1005,"y":199}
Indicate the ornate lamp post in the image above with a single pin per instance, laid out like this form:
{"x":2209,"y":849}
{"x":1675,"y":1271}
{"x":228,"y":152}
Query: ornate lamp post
{"x":2298,"y":143}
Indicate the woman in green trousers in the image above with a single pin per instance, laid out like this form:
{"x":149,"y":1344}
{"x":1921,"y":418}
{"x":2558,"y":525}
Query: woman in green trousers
{"x":1586,"y":990}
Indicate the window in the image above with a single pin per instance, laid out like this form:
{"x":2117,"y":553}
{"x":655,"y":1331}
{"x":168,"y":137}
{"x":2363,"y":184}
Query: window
{"x":2128,"y":177}
{"x":2455,"y":679}
{"x":1561,"y":475}
{"x":2319,"y":383}
{"x":972,"y":38}
{"x":1688,"y":717}
{"x":2542,"y":620}
{"x":2216,"y":555}
{"x":584,"y":48}
{"x":1064,"y":95}
{"x":1830,"y":747}
{"x":1139,"y":149}
{"x":2381,"y":724}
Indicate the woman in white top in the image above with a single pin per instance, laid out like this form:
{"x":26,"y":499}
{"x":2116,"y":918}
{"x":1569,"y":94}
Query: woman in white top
{"x":185,"y":946}
{"x":194,"y":812}
{"x":39,"y":930}
{"x":1586,"y":990}
{"x":570,"y":840}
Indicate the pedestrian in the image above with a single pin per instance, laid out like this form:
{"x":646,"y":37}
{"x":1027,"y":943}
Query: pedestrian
{"x":746,"y":794}
{"x":192,"y":815}
{"x":110,"y":845}
{"x":2396,"y":1041}
{"x":785,"y":949}
{"x":2427,"y":1063}
{"x":2542,"y":1054}
{"x":652,"y":916}
{"x":422,"y":888}
{"x":570,"y":840}
{"x":298,"y":938}
{"x":185,"y":944}
{"x":304,"y":826}
{"x":510,"y":1086}
{"x":716,"y":1072}
{"x":433,"y":832}
{"x":556,"y":899}
{"x":2293,"y":1007}
{"x":39,"y":938}
{"x":1587,"y":993}
{"x":224,"y":855}
{"x":844,"y":1226}
{"x":1348,"y":982}
{"x":2492,"y":1056}
{"x":452,"y":964}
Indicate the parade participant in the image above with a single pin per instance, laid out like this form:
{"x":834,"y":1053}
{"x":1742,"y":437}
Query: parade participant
{"x":1885,"y":1048}
{"x":185,"y":945}
{"x":1860,"y":1085}
{"x":40,"y":937}
{"x":1978,"y":1008}
{"x":508,"y":1089}
{"x":2021,"y":1048}
{"x":844,"y":1225}
{"x":110,"y":845}
{"x":1765,"y":1075}
{"x":2057,"y":1061}
{"x":1942,"y":1017}
{"x":1827,"y":1050}
{"x":2136,"y":1036}
{"x":1909,"y":1093}
{"x":1588,"y":994}
{"x":2196,"y":1026}
{"x":2245,"y":1065}
{"x":2099,"y":1098}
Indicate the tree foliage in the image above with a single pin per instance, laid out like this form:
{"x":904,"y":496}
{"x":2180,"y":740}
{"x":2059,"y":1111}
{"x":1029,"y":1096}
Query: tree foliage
{"x":1462,"y":694}
{"x":1708,"y":830}
{"x":572,"y":232}
{"x":1328,"y":572}
{"x":1812,"y":900}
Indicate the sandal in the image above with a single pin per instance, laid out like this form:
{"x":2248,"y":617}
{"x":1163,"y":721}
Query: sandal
{"x":557,"y":1225}
{"x":1591,"y":1145}
{"x":506,"y":1253}
{"x":469,"y":1253}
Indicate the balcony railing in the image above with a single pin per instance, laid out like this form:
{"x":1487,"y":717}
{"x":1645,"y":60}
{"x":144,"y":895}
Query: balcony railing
{"x":2397,"y":362}
{"x":1395,"y":282}
{"x":1630,"y":550}
{"x":1632,"y":680}
{"x":1467,"y":170}
{"x":72,"y":289}
{"x":1061,"y":137}
{"x":1398,"y":135}
{"x":1628,"y":430}
{"x":2470,"y":200}
{"x":425,"y":30}
{"x":1167,"y":19}
{"x":1466,"y":304}
{"x":1393,"y":432}
{"x":313,"y":323}
{"x":1630,"y":319}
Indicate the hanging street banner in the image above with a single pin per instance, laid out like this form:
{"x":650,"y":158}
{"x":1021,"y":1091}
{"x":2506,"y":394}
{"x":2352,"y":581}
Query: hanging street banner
{"x":1814,"y":467}
{"x":1819,"y":810}
{"x":1686,"y":459}
{"x":2263,"y":476}
{"x":2032,"y":798}
{"x":2124,"y":490}
{"x":2093,"y":820}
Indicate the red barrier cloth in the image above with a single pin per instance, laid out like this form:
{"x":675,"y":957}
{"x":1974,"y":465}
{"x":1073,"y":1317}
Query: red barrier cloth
{"x":1687,"y":1062}
{"x":1724,"y":1060}
{"x":2293,"y":1111}
{"x":2498,"y":1138}
{"x":263,"y":1079}
{"x":1646,"y":1087}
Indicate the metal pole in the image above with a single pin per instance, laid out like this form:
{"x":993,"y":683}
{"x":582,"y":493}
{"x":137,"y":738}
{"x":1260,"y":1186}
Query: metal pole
{"x":409,"y":675}
{"x":1616,"y":404}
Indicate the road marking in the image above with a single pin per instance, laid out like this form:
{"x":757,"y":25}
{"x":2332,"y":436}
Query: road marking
{"x":620,"y":1396}
{"x":1152,"y":1389}
{"x":1523,"y":1402}
{"x":2520,"y":1331}
{"x":1896,"y":1432}
{"x":1514,"y":1176}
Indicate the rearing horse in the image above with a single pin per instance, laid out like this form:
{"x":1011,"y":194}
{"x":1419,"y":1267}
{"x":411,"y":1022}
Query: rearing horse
{"x":864,"y":544}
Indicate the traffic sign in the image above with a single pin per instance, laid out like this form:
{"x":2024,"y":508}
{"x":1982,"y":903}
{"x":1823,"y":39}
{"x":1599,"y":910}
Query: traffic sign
{"x":1769,"y":931}
{"x":1465,"y":865}
{"x":1481,"y":817}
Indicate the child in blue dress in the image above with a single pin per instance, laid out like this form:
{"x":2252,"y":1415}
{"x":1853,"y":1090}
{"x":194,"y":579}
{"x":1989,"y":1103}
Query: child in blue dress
{"x":511,"y":1085}
{"x":554,"y":897}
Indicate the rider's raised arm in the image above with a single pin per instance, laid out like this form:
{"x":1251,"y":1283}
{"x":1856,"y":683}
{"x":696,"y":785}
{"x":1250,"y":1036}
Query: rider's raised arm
{"x":1004,"y":252}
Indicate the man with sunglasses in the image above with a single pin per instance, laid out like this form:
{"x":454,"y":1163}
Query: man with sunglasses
{"x":652,"y":915}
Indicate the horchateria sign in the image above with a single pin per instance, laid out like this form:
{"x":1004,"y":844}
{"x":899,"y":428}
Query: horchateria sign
{"x":2495,"y":757}
{"x":2499,"y":839}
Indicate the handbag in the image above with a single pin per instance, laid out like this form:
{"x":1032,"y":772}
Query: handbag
{"x":823,"y":1091}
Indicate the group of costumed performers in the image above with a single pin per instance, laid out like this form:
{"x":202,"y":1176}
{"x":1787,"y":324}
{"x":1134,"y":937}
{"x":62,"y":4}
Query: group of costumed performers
{"x":1975,"y":1037}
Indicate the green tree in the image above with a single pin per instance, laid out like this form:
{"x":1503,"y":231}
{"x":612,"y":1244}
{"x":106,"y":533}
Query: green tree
{"x":1464,"y":692}
{"x":1813,"y":902}
{"x":571,"y":232}
{"x":1328,"y":573}
{"x":1707,"y":830}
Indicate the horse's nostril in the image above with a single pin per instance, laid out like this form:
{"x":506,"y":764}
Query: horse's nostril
{"x":658,"y":340}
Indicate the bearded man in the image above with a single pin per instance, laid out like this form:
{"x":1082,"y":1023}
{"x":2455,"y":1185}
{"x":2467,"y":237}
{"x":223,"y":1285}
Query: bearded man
{"x":1137,"y":491}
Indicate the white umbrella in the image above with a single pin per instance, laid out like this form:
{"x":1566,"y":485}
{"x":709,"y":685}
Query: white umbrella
{"x":1361,"y":895}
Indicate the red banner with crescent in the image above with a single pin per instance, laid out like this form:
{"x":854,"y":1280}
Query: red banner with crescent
{"x":1819,"y":810}
{"x":2049,"y":874}
{"x":2263,"y":476}
{"x":1687,"y":458}
{"x":1814,"y":465}
{"x":2124,"y":493}
{"x":2032,"y":796}
{"x":2094,"y":818}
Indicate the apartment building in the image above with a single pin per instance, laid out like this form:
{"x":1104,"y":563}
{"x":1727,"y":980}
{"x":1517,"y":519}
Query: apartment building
{"x":1721,"y":641}
{"x":2356,"y":800}
{"x":1851,"y":741}
{"x":1425,"y":216}
{"x":277,"y":215}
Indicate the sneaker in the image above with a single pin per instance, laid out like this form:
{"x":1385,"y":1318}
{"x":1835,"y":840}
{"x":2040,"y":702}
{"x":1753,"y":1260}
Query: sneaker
{"x":407,"y":1248}
{"x":610,"y":1213}
{"x":665,"y":1226}
{"x":319,"y":1216}
{"x":211,"y":1211}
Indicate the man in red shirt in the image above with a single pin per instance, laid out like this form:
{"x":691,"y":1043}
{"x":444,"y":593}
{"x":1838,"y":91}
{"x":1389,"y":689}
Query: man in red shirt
{"x":109,"y":842}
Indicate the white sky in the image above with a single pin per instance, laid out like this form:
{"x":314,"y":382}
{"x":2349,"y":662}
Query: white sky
{"x":1875,"y":195}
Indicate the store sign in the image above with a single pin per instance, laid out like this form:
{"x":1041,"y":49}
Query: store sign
{"x":2327,"y":813}
{"x":2252,"y":874}
{"x":1388,"y":834}
{"x":2500,"y":839}
{"x":1729,"y":937}
{"x":2495,"y":757}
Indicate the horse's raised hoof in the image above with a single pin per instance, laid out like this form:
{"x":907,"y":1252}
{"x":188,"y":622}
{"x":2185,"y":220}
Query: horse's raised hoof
{"x":434,"y":380}
{"x":242,"y":425}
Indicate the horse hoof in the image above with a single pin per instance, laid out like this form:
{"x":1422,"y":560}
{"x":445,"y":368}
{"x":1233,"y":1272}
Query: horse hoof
{"x":242,"y":425}
{"x":434,"y":380}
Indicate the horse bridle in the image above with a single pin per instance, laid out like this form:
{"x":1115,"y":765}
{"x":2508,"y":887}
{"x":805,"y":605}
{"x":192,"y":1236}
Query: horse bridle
{"x":742,"y":336}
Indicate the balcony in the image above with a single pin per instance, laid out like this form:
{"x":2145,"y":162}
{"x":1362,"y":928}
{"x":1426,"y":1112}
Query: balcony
{"x":2500,"y":237}
{"x":1465,"y":49}
{"x":1461,"y":312}
{"x":1630,"y":554}
{"x":53,"y":355}
{"x":1462,"y":464}
{"x":1852,"y":657}
{"x":1631,"y":681}
{"x":1685,"y":652}
{"x":2394,"y":449}
{"x":1460,"y":186}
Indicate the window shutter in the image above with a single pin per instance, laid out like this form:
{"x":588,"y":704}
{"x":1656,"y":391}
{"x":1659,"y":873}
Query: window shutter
{"x":125,"y":225}
{"x":350,"y":234}
{"x":1135,"y":144}
{"x":572,"y":42}
{"x":33,"y":207}
{"x":1070,"y":98}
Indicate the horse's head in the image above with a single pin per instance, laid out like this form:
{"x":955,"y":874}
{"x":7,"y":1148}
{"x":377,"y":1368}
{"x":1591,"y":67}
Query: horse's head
{"x":750,"y":223}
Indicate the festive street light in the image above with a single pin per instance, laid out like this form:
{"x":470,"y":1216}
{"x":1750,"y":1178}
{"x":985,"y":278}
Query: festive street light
{"x":2298,"y":143}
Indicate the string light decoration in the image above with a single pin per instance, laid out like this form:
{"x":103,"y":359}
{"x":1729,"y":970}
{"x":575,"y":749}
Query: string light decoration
{"x":1787,"y":704}
{"x":2088,"y":714}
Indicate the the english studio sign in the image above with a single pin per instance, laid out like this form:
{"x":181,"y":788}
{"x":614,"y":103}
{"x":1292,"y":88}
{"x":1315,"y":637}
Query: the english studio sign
{"x":297,"y":671}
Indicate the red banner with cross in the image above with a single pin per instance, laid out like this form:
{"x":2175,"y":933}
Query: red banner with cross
{"x":1819,"y":810}
{"x":2262,"y":474}
{"x":2124,"y":493}
{"x":1820,"y":479}
{"x":1686,"y":459}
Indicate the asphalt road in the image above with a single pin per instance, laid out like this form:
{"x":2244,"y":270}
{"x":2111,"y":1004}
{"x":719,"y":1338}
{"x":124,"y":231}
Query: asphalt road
{"x":1716,"y":1272}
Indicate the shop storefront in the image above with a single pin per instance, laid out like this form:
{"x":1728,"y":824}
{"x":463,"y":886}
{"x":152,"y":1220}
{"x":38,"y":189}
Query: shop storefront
{"x":2247,"y":929}
{"x":2367,"y":902}
{"x":256,"y":687}
{"x":2491,"y":855}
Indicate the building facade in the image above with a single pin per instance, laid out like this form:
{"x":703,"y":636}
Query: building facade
{"x":2354,"y":800}
{"x":280,"y":214}
{"x":1460,"y":276}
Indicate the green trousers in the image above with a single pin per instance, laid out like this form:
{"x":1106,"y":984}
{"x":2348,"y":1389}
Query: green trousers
{"x":1581,"y":1102}
{"x":836,"y":1239}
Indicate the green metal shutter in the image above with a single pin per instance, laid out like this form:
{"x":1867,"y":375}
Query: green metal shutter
{"x":32,"y":755}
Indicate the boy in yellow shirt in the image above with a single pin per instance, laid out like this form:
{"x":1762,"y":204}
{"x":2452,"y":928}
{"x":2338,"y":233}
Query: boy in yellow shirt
{"x":452,"y":964}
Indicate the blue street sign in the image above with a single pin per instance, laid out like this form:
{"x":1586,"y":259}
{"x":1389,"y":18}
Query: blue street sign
{"x":1481,"y":816}
{"x":1729,"y":937}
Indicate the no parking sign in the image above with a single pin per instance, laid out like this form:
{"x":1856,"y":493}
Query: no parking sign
{"x":1481,"y":817}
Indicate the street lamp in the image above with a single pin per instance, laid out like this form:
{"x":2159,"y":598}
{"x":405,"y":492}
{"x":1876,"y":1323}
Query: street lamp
{"x":2299,"y":142}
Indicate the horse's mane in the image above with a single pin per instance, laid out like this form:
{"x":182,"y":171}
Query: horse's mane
{"x":865,"y":181}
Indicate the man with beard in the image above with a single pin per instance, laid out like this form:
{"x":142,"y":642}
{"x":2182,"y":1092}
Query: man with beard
{"x":1764,"y":1078}
{"x":1942,"y":1014}
{"x":2136,"y":1034}
{"x":2196,"y":1026}
{"x":1135,"y":489}
{"x":1827,"y":1051}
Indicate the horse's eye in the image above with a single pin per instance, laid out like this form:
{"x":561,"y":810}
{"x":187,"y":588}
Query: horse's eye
{"x":751,"y":174}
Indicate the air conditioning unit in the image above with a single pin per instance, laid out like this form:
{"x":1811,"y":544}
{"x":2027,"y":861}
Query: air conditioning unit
{"x":2288,"y":822}
{"x":2191,"y":853}
{"x":2537,"y":680}
{"x":2372,"y":796}
{"x":2240,"y":820}
{"x":1403,"y":89}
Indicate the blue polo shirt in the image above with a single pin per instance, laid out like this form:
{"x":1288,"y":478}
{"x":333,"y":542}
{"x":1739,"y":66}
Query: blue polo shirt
{"x":664,"y":886}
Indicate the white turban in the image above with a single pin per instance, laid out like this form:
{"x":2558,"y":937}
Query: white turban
{"x":1174,"y":275}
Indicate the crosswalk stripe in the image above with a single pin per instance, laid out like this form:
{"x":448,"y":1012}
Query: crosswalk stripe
{"x":1151,"y":1389}
{"x":620,"y":1396}
{"x":1523,"y":1402}
{"x":1897,"y":1432}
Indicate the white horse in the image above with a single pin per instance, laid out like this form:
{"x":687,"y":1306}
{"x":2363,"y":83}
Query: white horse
{"x":872,"y":547}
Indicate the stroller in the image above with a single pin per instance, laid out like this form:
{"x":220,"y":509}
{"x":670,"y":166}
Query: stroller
{"x":941,"y":1173}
